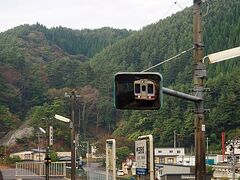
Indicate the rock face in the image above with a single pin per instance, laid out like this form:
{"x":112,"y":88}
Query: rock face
{"x":10,"y":138}
{"x":21,"y":133}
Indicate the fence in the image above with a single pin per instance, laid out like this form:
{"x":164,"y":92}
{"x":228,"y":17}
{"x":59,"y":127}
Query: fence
{"x":34,"y":169}
{"x":100,"y":176}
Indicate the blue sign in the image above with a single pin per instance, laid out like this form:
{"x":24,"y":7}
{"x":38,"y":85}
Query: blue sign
{"x":141,"y":171}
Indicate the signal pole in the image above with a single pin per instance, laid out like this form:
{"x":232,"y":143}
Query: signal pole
{"x":199,"y":76}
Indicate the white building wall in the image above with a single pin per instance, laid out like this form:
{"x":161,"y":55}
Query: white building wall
{"x":186,"y":160}
{"x":236,"y":149}
{"x":36,"y":156}
{"x":24,"y":155}
{"x":171,"y":169}
{"x":63,"y":154}
{"x":168,"y":169}
{"x":169,"y":151}
{"x":190,"y":160}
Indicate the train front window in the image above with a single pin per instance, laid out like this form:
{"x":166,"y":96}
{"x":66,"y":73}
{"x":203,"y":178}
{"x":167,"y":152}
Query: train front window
{"x":137,"y":88}
{"x":150,"y":88}
{"x":143,"y":88}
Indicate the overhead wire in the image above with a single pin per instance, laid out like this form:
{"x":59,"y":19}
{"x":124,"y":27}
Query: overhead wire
{"x":169,"y":59}
{"x":179,"y":5}
{"x":183,"y":52}
{"x":175,"y":3}
{"x":207,"y":3}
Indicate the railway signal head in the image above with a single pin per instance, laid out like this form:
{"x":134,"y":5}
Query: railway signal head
{"x":138,"y":90}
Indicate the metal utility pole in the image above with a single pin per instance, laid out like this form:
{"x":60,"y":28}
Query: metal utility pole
{"x":174,"y":139}
{"x":233,"y":163}
{"x":73,"y":97}
{"x":38,"y":147}
{"x":47,"y":158}
{"x":199,"y":76}
{"x":47,"y":153}
{"x":73,"y":143}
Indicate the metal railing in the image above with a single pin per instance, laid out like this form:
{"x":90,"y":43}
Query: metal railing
{"x":34,"y":169}
{"x":90,"y":175}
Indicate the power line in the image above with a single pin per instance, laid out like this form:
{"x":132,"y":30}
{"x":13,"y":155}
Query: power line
{"x":179,"y":5}
{"x":175,"y":3}
{"x":171,"y":58}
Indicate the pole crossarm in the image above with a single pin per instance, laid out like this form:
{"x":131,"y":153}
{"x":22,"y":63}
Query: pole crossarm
{"x":181,"y":95}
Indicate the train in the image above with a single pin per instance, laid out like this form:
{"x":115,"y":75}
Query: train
{"x":144,"y":89}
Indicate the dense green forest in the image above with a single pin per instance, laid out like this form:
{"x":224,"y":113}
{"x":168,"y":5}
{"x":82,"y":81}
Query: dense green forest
{"x":38,"y":65}
{"x":36,"y":62}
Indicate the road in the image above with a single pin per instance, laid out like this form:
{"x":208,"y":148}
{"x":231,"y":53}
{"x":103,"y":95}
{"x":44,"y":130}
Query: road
{"x":94,"y":167}
{"x":9,"y":174}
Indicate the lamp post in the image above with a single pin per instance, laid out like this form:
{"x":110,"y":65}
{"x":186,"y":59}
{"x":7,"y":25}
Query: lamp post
{"x":73,"y":156}
{"x":223,"y":55}
{"x":44,"y":132}
{"x":47,"y":148}
{"x":73,"y":97}
{"x":49,"y":143}
{"x":47,"y":154}
{"x":38,"y":146}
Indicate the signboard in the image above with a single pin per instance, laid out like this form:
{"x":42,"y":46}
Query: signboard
{"x":110,"y":159}
{"x":110,"y":155}
{"x":188,"y":176}
{"x":141,"y":157}
{"x":141,"y":171}
{"x":50,"y":135}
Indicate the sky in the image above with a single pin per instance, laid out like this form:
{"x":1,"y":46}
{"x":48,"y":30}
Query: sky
{"x":91,"y":14}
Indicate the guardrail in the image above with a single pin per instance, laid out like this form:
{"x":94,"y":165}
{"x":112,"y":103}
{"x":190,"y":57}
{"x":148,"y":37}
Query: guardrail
{"x":37,"y":169}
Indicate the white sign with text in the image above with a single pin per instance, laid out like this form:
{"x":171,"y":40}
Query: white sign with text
{"x":141,"y":153}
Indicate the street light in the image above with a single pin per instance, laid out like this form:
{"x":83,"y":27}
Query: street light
{"x":47,"y":158}
{"x":73,"y":150}
{"x":61,"y":118}
{"x":44,"y":132}
{"x":223,"y":55}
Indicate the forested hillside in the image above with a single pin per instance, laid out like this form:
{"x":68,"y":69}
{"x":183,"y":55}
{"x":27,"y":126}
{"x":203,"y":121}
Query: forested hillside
{"x":38,"y":65}
{"x":35,"y":59}
{"x":87,"y":42}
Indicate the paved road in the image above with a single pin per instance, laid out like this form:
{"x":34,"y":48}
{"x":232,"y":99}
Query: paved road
{"x":94,"y":167}
{"x":9,"y":174}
